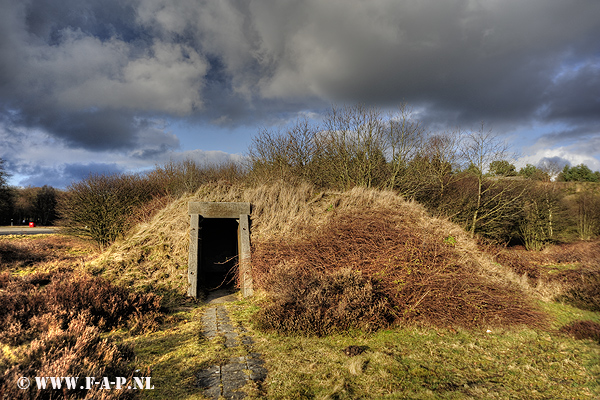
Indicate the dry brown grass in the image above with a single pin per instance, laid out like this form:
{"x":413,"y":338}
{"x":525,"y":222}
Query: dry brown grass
{"x":18,"y":252}
{"x":419,"y":272}
{"x":43,"y":301}
{"x":566,"y":271}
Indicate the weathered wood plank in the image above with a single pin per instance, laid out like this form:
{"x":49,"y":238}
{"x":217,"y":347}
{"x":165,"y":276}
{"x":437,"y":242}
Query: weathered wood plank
{"x":218,"y":210}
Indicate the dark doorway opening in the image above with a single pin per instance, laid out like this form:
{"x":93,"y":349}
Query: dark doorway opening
{"x":219,"y":252}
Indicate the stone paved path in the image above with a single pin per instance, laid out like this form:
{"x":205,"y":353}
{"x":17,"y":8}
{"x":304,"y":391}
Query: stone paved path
{"x":226,"y":380}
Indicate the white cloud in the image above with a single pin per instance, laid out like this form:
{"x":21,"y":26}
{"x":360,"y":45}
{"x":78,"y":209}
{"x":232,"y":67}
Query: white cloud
{"x":85,"y":72}
{"x":567,"y":153}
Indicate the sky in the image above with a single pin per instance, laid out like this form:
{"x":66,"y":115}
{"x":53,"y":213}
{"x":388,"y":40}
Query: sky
{"x":110,"y":86}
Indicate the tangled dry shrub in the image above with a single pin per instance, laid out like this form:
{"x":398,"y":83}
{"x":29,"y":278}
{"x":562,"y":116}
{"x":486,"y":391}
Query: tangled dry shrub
{"x":99,"y":206}
{"x":42,"y":301}
{"x":323,"y":303}
{"x":78,"y":351}
{"x":583,"y":330}
{"x":585,"y":293}
{"x":565,"y":272}
{"x":523,"y":262}
{"x":420,"y":272}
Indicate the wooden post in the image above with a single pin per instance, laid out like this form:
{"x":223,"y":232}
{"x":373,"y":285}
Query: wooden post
{"x":194,"y":255}
{"x":244,"y":254}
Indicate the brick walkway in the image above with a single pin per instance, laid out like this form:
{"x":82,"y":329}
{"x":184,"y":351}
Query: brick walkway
{"x":226,"y":380}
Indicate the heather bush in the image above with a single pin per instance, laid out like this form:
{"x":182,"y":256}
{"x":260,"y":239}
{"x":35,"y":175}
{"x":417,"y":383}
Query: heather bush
{"x":321,"y":303}
{"x":78,"y":351}
{"x":58,"y":319}
{"x":34,"y":303}
{"x":18,"y":255}
{"x":26,"y":251}
{"x":583,"y":330}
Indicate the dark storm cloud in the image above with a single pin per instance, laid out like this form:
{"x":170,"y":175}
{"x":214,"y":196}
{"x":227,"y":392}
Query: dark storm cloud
{"x":103,"y":19}
{"x":97,"y":130}
{"x":575,"y":94}
{"x":87,"y":71}
{"x":472,"y":60}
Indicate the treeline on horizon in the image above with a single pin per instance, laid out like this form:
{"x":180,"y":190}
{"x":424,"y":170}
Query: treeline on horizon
{"x":466,"y":176}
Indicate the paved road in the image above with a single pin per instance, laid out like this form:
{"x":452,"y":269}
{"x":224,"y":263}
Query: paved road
{"x":25,"y":230}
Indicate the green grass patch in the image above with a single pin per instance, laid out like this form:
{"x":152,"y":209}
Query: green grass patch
{"x":556,"y":268}
{"x":427,"y":363}
{"x":176,"y":353}
{"x":564,"y":314}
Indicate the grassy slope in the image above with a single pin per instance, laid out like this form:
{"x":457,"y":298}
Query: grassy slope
{"x":404,"y":362}
{"x":431,"y":363}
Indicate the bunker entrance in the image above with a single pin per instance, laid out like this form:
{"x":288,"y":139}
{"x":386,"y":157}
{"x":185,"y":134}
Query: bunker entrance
{"x":219,"y":254}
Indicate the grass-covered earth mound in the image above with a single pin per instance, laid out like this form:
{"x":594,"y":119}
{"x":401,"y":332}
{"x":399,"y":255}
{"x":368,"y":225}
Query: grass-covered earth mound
{"x":328,"y":261}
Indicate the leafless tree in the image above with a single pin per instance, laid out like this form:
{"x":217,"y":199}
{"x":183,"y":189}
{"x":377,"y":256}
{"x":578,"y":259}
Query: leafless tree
{"x":494,"y":195}
{"x":404,"y":136}
{"x":353,"y":141}
{"x":284,"y":153}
